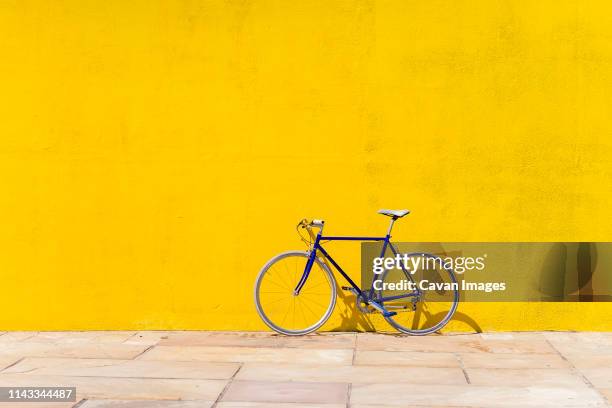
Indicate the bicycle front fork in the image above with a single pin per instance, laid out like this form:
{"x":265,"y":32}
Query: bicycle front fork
{"x":311,"y":259}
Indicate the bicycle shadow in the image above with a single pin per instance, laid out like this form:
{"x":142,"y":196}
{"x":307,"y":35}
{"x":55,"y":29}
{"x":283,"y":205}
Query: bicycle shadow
{"x":351,"y":319}
{"x":354,"y":320}
{"x":432,"y":319}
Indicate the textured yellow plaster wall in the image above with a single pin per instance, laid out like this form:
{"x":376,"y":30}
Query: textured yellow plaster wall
{"x":154,"y":154}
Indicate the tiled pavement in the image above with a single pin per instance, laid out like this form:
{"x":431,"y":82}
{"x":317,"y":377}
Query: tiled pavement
{"x":222,"y":369}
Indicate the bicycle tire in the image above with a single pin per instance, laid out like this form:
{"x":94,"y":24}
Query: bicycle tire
{"x":394,"y":320}
{"x":276,"y":326}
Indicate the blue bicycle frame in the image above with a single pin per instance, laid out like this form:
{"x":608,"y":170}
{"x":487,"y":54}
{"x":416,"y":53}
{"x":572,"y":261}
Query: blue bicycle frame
{"x":367,"y":296}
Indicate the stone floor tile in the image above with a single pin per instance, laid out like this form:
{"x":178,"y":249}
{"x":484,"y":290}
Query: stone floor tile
{"x":259,"y":339}
{"x":497,"y":336}
{"x":589,"y":360}
{"x":584,"y":348}
{"x":524,"y":346}
{"x":123,"y":388}
{"x":568,"y":343}
{"x":81,"y":337}
{"x":11,"y":337}
{"x":405,"y":406}
{"x":222,"y":339}
{"x":512,"y":360}
{"x":250,"y":354}
{"x":406,"y":395}
{"x":276,"y":405}
{"x":83,"y":350}
{"x":149,"y":338}
{"x":37,"y":404}
{"x":319,"y":341}
{"x":598,"y":338}
{"x":524,"y":377}
{"x":89,"y":367}
{"x":406,"y":358}
{"x":538,"y":336}
{"x":350,"y":374}
{"x":435,"y":343}
{"x":452,"y":344}
{"x":300,"y":392}
{"x":145,"y":404}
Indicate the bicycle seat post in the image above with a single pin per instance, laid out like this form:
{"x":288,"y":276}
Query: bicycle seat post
{"x":391,"y":226}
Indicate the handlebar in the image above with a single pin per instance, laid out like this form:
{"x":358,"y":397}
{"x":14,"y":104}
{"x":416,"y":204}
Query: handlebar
{"x":317,"y":223}
{"x":305,"y":224}
{"x":313,"y":223}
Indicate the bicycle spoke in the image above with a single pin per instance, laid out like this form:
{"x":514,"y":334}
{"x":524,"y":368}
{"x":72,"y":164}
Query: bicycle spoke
{"x":318,"y":284}
{"x":267,"y":291}
{"x":282,"y":287}
{"x":310,"y":310}
{"x":316,"y":303}
{"x":283,"y":281}
{"x":276,"y":301}
{"x":302,"y":310}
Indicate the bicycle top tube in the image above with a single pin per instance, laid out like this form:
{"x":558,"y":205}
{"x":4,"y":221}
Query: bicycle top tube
{"x":348,"y":238}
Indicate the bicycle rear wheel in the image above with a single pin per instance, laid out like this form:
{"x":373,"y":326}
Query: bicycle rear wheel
{"x":285,"y":312}
{"x":433,"y":308}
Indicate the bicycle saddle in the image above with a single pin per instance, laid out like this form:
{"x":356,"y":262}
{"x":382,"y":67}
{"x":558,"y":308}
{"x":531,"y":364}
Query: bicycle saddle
{"x":394,"y":213}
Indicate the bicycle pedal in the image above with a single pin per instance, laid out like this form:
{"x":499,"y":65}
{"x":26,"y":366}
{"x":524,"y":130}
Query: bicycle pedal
{"x":389,"y":314}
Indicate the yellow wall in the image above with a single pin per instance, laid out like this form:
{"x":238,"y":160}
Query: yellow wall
{"x":154,"y":154}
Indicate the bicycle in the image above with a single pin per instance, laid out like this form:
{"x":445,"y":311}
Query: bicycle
{"x":305,"y":283}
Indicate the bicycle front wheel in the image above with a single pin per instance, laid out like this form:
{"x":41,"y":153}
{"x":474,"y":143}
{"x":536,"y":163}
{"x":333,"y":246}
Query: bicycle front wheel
{"x":282,"y":310}
{"x":436,"y":303}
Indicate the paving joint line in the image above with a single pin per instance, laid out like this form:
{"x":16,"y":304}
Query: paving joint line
{"x":465,"y":374}
{"x":143,"y":351}
{"x":13,"y":364}
{"x":128,"y":339}
{"x":80,"y":403}
{"x":229,"y":383}
{"x":578,"y":372}
{"x":348,"y":395}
